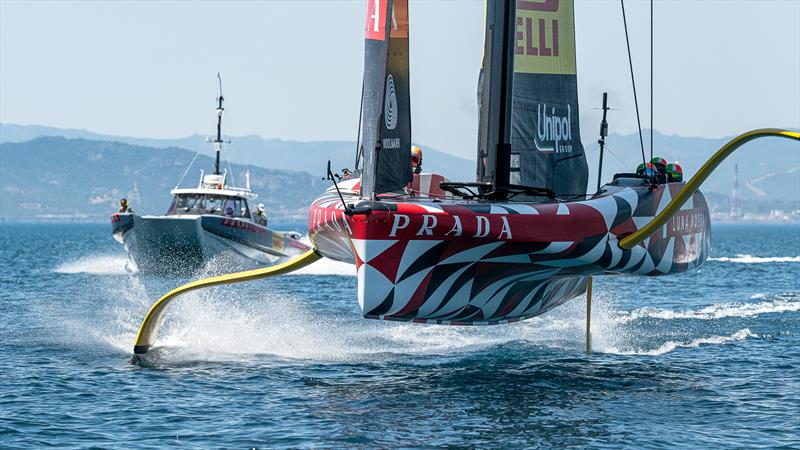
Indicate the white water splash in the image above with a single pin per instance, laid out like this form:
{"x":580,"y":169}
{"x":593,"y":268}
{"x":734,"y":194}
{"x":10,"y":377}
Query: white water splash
{"x":203,"y":328}
{"x":98,"y":265}
{"x":327,"y":266}
{"x":224,"y":324}
{"x":750,"y":259}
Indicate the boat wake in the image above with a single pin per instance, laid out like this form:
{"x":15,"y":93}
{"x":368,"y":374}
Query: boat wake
{"x":750,"y":259}
{"x":671,"y":346}
{"x":778,"y":304}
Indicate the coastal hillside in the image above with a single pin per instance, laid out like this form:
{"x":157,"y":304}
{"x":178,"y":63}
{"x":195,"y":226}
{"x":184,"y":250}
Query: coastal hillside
{"x":311,"y":157}
{"x":54,"y":178}
{"x":769,"y":169}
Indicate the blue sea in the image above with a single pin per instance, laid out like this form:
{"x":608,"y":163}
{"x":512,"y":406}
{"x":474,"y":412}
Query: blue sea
{"x":701,"y":360}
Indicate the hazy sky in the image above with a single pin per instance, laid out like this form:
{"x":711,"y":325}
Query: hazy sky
{"x":292,"y":69}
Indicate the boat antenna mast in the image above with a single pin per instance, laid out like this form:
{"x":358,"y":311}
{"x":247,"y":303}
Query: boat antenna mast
{"x":218,"y":140}
{"x":602,"y":140}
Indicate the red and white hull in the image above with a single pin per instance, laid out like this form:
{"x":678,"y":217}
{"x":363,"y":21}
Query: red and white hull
{"x":466,"y":262}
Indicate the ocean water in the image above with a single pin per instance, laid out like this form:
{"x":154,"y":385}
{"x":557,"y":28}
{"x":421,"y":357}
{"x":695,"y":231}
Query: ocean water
{"x":705,"y":359}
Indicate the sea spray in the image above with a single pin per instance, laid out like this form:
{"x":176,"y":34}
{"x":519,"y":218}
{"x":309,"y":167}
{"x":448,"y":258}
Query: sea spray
{"x":97,"y":265}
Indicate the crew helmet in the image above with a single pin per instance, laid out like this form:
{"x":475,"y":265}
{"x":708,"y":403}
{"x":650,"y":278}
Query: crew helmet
{"x":416,"y":156}
{"x":675,"y":172}
{"x":660,"y":164}
{"x":647,"y":169}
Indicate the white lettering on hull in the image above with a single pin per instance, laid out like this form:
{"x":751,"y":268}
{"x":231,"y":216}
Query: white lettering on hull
{"x":397,"y":223}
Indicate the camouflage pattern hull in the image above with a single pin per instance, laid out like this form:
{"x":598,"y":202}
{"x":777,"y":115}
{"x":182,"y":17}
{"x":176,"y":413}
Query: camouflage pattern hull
{"x":462,"y":262}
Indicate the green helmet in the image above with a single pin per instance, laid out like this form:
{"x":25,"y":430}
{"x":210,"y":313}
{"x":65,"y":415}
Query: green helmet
{"x":675,"y":172}
{"x":660,"y":164}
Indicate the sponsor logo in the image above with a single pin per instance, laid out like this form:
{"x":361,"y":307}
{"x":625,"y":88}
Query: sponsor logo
{"x":277,"y":241}
{"x":376,"y":20}
{"x":544,"y":37}
{"x":480,"y":227}
{"x":391,"y":143}
{"x":247,"y":226}
{"x":553,"y":129}
{"x":685,"y":222}
{"x":390,"y":112}
{"x":399,"y":20}
{"x":430,"y":225}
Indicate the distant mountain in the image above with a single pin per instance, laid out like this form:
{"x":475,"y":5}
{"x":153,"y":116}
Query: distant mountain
{"x":768,"y":169}
{"x":59,"y":178}
{"x":311,"y":157}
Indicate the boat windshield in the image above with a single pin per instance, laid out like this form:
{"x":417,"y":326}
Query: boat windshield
{"x":219,"y":205}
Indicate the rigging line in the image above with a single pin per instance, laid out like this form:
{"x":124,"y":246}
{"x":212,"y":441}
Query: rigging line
{"x":231,"y":148}
{"x":633,"y":82}
{"x":358,"y":134}
{"x":608,"y":149}
{"x":651,"y":81}
{"x":191,"y":163}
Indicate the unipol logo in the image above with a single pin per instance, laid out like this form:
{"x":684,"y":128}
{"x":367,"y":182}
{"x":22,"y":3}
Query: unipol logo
{"x":553,"y":130}
{"x":390,"y":112}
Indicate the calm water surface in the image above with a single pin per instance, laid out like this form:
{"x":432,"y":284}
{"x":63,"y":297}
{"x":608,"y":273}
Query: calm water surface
{"x":706,"y":359}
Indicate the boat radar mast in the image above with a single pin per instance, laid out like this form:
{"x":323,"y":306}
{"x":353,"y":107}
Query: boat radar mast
{"x":218,"y":140}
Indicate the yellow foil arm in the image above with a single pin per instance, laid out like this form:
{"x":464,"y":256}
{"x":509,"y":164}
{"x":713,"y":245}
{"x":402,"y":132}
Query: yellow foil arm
{"x":152,"y":321}
{"x":693,"y":185}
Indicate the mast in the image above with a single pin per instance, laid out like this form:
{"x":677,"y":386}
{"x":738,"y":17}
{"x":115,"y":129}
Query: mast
{"x":529,"y":133}
{"x":218,"y":140}
{"x":496,"y":92}
{"x":735,"y":210}
{"x":602,"y":141}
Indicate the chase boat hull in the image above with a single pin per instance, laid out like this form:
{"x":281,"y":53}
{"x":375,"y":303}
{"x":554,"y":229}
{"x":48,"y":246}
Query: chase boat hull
{"x":185,"y":244}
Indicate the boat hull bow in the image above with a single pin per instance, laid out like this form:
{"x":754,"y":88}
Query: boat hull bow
{"x":477,"y":263}
{"x":185,"y":244}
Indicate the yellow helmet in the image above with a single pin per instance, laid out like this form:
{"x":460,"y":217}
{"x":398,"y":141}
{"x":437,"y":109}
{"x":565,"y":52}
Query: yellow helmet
{"x":416,"y":155}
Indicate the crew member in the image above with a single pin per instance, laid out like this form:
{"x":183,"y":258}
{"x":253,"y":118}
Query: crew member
{"x":646,"y":170}
{"x":124,"y":207}
{"x":660,"y":164}
{"x":674,"y":172}
{"x":346,"y":174}
{"x":416,"y":159}
{"x":261,"y":215}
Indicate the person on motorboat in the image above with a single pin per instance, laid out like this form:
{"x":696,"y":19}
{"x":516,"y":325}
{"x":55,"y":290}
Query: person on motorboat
{"x":261,"y":215}
{"x":124,"y":207}
{"x":416,"y":159}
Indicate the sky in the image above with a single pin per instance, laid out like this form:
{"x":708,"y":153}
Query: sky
{"x":292,"y":69}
